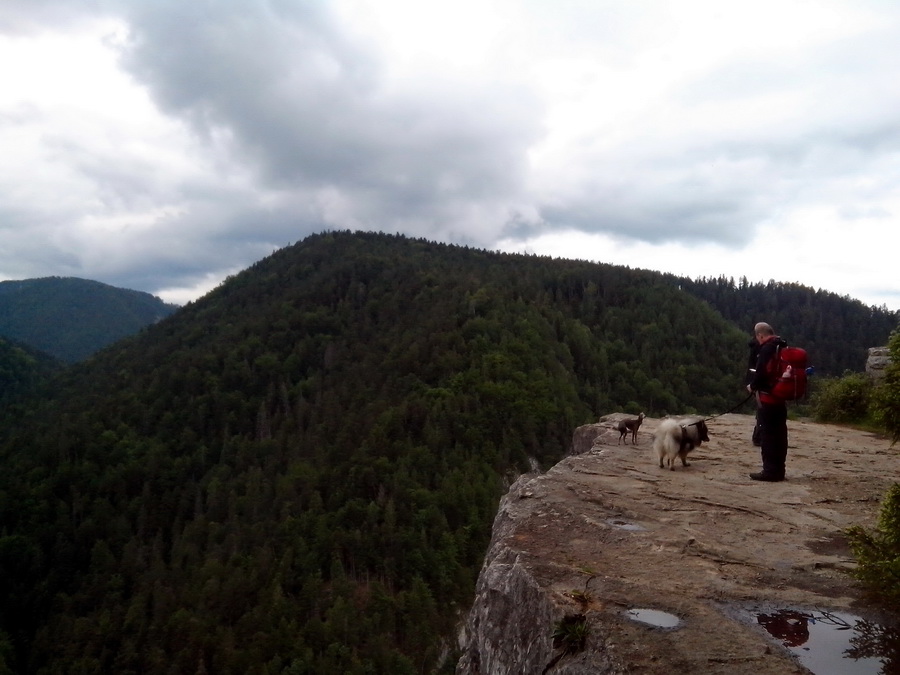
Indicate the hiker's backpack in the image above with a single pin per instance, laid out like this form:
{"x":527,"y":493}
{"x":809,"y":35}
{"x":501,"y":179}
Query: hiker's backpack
{"x":788,"y":368}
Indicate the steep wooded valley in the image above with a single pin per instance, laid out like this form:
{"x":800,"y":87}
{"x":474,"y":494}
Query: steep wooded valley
{"x":297,"y":473}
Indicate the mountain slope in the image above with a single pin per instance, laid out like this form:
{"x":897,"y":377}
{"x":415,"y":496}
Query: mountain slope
{"x":837,"y":331}
{"x":298,"y":472}
{"x":22,"y":369}
{"x":72,"y":318}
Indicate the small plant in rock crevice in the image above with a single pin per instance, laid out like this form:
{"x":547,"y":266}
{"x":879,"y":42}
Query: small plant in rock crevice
{"x":570,"y":633}
{"x":570,"y":636}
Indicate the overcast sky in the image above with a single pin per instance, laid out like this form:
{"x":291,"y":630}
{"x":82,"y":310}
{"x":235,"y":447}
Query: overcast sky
{"x":161,"y":145}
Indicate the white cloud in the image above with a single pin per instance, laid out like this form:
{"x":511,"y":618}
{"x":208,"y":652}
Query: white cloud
{"x":163,"y":145}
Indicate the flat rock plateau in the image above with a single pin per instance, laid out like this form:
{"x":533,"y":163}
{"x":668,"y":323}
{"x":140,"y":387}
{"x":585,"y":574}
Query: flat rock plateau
{"x":607,"y":530}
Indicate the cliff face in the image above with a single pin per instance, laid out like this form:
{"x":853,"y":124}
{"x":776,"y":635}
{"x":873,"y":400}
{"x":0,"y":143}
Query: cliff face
{"x":511,"y":624}
{"x":606,"y":532}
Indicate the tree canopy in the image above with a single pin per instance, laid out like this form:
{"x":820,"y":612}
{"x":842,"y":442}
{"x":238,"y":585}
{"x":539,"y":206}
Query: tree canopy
{"x":836,"y":330}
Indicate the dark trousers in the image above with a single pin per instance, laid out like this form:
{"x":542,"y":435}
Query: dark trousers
{"x":755,"y":436}
{"x":773,"y":437}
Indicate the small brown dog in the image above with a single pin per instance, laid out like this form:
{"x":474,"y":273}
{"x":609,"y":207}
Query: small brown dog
{"x":632,"y":424}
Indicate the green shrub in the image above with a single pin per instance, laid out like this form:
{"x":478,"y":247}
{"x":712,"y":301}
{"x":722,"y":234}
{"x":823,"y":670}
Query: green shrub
{"x":845,"y":399}
{"x":886,"y":397}
{"x":878,"y":551}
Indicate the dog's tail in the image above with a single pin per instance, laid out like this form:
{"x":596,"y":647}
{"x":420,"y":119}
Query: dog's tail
{"x":667,"y":442}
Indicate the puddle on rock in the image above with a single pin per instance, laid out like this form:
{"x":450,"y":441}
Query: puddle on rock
{"x":834,"y":642}
{"x":654,"y":617}
{"x":624,"y":525}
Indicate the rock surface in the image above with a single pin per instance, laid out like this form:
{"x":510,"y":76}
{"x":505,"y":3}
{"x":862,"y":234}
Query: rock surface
{"x":878,"y":360}
{"x":606,"y":531}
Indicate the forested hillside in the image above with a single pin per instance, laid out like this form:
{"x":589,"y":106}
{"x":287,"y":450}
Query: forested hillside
{"x":298,"y":472}
{"x":836,"y":331}
{"x":70,"y":318}
{"x":22,"y":370}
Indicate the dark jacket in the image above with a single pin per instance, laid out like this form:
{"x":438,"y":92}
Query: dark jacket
{"x":751,"y":362}
{"x":763,"y":380}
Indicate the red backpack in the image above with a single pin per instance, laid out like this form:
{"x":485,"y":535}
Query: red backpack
{"x":788,"y":368}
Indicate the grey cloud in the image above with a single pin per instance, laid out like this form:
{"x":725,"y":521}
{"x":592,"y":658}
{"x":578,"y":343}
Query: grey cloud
{"x":28,"y":245}
{"x":672,"y":218}
{"x":120,"y":181}
{"x":668,"y":190}
{"x":24,"y":17}
{"x":308,"y":108}
{"x":182,"y":250}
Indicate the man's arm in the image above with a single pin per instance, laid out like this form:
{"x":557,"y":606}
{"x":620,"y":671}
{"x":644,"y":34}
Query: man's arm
{"x":761,"y":380}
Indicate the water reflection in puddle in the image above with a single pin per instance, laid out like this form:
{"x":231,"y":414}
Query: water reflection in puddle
{"x":654,"y":617}
{"x":835,"y":642}
{"x":625,"y":525}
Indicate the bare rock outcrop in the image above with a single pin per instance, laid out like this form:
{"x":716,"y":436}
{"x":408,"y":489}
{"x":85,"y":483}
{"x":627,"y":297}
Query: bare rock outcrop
{"x":606,"y":531}
{"x":879,"y":359}
{"x":603,"y":432}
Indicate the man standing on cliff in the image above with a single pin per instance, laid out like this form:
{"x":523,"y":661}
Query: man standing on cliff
{"x":771,"y":411}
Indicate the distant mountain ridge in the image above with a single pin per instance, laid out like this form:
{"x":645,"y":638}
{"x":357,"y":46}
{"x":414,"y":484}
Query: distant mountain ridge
{"x":71,"y":318}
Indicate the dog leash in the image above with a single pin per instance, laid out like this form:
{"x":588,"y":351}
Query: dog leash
{"x":749,"y":396}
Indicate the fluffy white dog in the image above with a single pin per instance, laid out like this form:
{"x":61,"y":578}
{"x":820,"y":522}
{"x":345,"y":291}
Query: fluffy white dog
{"x":676,"y":438}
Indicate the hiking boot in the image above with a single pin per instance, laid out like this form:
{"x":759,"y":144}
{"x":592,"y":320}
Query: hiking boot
{"x":766,"y":477}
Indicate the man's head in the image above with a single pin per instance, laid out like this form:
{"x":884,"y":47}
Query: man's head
{"x":763,"y":330}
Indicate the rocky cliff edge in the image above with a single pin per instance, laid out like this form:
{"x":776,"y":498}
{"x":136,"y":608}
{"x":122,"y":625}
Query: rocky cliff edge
{"x":606,"y":531}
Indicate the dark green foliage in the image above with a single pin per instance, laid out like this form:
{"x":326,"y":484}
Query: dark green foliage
{"x":298,"y":473}
{"x":878,"y":551}
{"x":872,"y":640}
{"x":570,"y":633}
{"x":843,"y":400}
{"x":836,"y":331}
{"x":71,"y":319}
{"x":7,"y":655}
{"x":886,"y":400}
{"x":22,"y":370}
